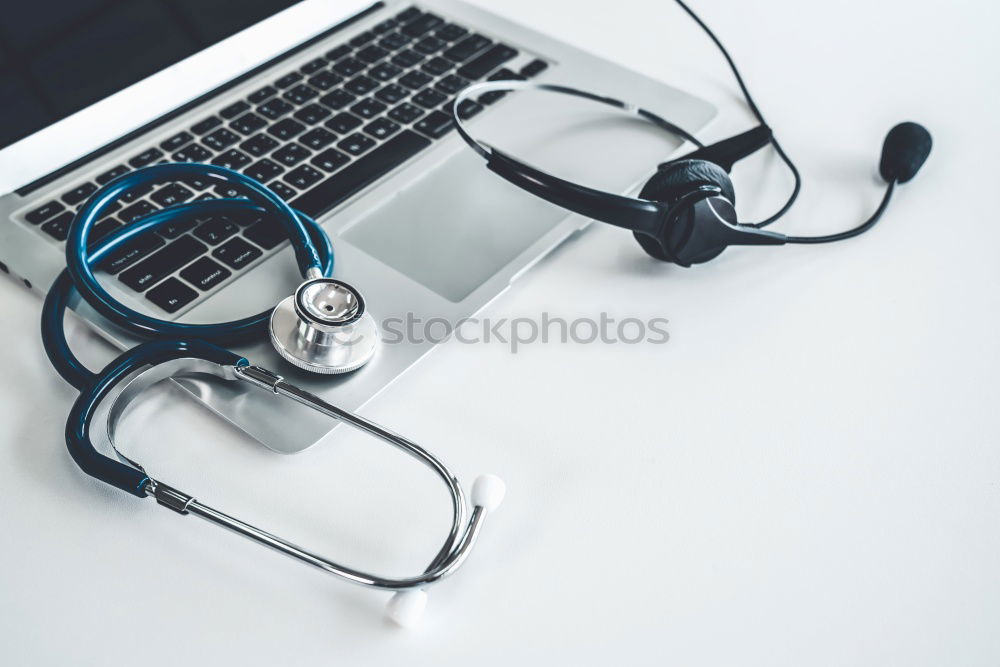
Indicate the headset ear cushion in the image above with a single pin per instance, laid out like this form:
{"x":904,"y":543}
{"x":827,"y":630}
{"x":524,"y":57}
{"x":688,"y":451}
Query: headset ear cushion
{"x":676,"y":179}
{"x":673,"y":181}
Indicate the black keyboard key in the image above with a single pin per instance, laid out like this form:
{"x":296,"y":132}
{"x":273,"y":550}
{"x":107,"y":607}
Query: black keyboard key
{"x":148,"y":156}
{"x":313,"y":66}
{"x":259,"y":96}
{"x":300,"y":94}
{"x":44,"y":212}
{"x":110,"y":208}
{"x":176,"y":141}
{"x":368,"y":108}
{"x":338,"y":53}
{"x":173,"y":193}
{"x":140,"y":209}
{"x":466,"y":109}
{"x":248,"y":123}
{"x":192,"y":153}
{"x":325,"y":80}
{"x":58,"y":227}
{"x":392,"y":93}
{"x":394,"y":41}
{"x":162,"y":263}
{"x":135,"y":193}
{"x":361,"y":85}
{"x":282,"y":190}
{"x":175,"y":228}
{"x":415,"y":80}
{"x":220,"y":139}
{"x":205,"y":273}
{"x":317,"y":138}
{"x":274,"y":108}
{"x":264,"y":170}
{"x":290,"y":155}
{"x":171,"y":295}
{"x":452,"y":84}
{"x":435,"y":124}
{"x":504,"y":74}
{"x":406,"y":113}
{"x":259,"y":145}
{"x":437,"y":66}
{"x":451,"y":32}
{"x":112,"y":174}
{"x":196,"y":182}
{"x":131,"y":252}
{"x":215,"y":230}
{"x":534,"y":68}
{"x":422,"y":24}
{"x":312,"y":113}
{"x":343,"y":123}
{"x":408,"y":15}
{"x":227,"y":191}
{"x":337,"y":99}
{"x":349,"y":66}
{"x":236,"y":253}
{"x":491,"y":97}
{"x":356,"y":144}
{"x":244,"y":217}
{"x":429,"y":45}
{"x":302,"y":177}
{"x":429,"y":98}
{"x":234,"y":109}
{"x":362,"y":39}
{"x":267,"y":233}
{"x":288,"y":80}
{"x":385,"y":72}
{"x":355,"y":176}
{"x":467,"y":48}
{"x":407,"y":58}
{"x":381,"y":128}
{"x":232,"y":159}
{"x":102,"y":230}
{"x":203,"y":126}
{"x":487,"y":62}
{"x":384,"y":27}
{"x":286,"y":129}
{"x":372,"y":54}
{"x":330,"y":159}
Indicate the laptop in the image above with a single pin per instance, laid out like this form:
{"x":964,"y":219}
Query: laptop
{"x":339,"y":107}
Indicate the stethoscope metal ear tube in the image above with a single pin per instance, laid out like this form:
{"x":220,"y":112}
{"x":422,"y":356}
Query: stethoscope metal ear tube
{"x":323,"y":305}
{"x":453,"y":552}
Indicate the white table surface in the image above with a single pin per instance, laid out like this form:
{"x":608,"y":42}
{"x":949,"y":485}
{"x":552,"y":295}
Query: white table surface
{"x":808,"y":473}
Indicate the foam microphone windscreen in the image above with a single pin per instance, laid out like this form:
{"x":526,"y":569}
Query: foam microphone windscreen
{"x":905,"y":149}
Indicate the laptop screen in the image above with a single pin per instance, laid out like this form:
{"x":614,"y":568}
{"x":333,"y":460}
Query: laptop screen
{"x":59,"y":56}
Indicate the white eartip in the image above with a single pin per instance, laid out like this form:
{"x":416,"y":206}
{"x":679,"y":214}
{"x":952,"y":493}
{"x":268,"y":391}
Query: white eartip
{"x":488,"y":492}
{"x":405,"y":608}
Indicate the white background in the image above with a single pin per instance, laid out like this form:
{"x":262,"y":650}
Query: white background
{"x":807,"y":473}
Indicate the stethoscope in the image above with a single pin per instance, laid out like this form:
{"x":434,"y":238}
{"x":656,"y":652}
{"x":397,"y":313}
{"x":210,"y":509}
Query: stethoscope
{"x":323,"y":327}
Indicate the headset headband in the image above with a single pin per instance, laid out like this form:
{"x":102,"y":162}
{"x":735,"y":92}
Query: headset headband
{"x":635,"y":214}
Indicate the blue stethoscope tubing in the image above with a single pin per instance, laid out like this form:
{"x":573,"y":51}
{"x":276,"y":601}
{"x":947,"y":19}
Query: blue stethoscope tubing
{"x":167,"y":340}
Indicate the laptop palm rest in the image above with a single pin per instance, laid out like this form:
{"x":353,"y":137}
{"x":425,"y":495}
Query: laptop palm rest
{"x":459,"y":224}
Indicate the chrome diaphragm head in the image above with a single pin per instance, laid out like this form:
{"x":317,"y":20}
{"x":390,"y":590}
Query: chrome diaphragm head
{"x":324,"y":328}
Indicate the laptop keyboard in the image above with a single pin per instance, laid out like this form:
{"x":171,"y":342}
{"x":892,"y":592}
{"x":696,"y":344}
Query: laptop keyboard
{"x":315,"y":136}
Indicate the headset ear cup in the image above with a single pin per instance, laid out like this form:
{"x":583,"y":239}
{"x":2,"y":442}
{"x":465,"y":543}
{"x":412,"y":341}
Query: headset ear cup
{"x":676,"y":179}
{"x":652,"y":246}
{"x":673,"y":181}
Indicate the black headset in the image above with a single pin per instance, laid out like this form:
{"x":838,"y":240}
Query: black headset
{"x":686,"y":213}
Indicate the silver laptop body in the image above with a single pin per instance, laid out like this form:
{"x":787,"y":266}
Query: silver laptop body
{"x":438,"y":236}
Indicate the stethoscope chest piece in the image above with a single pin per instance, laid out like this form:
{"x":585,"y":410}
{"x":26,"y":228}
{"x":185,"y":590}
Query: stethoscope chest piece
{"x":324,"y":328}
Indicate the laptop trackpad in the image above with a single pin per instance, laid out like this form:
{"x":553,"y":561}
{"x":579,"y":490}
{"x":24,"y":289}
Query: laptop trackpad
{"x":459,"y":224}
{"x":454,"y":228}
